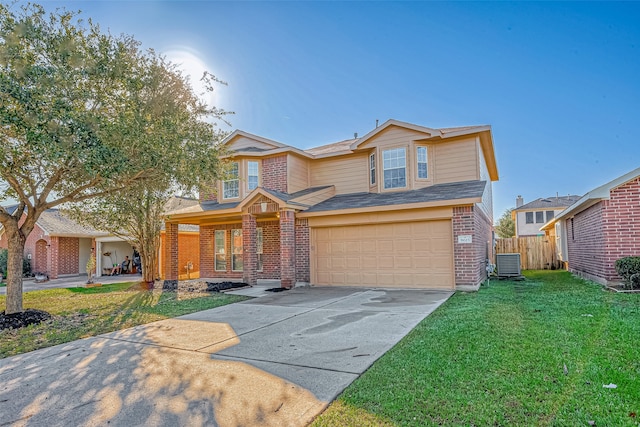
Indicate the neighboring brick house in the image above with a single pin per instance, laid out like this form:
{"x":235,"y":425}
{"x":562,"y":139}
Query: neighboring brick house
{"x":57,"y":246}
{"x":403,"y":206}
{"x":528,"y":218}
{"x":601,"y":227}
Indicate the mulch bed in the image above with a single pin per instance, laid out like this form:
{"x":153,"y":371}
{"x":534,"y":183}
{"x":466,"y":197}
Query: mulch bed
{"x":18,"y":320}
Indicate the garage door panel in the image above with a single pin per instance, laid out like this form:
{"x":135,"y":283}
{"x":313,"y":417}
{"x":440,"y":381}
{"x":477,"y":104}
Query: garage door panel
{"x":416,"y":254}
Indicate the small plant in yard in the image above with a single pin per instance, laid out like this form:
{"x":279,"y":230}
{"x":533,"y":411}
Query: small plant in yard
{"x":629,"y":269}
{"x":91,"y":266}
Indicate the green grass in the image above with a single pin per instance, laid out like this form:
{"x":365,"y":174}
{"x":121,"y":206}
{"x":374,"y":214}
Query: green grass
{"x":498,"y":357}
{"x":85,"y":312}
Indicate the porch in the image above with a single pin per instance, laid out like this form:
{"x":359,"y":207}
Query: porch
{"x":257,"y":239}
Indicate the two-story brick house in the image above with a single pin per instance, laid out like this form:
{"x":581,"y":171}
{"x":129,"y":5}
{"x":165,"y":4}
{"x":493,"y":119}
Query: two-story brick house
{"x":403,"y":206}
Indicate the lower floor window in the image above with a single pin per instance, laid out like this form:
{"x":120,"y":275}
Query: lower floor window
{"x":219,"y":249}
{"x":259,"y":245}
{"x":236,"y":250}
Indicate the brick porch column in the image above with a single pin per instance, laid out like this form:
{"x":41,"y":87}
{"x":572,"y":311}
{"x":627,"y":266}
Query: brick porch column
{"x":170,"y":257}
{"x":287,"y":248}
{"x":249,"y":257}
{"x":207,"y":251}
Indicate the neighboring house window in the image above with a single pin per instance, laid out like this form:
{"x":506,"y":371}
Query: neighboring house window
{"x":550,"y":215}
{"x":395,"y":168}
{"x":421,"y":154}
{"x":259,"y":246}
{"x":529,"y":217}
{"x":372,"y":169}
{"x":539,"y":217}
{"x":219,"y":248}
{"x":230,"y":187}
{"x":252,"y":179}
{"x":236,"y":250}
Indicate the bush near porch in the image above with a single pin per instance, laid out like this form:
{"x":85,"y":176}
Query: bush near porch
{"x":536,"y":352}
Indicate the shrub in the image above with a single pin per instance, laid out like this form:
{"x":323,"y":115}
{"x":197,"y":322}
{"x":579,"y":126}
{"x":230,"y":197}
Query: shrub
{"x":26,"y":267}
{"x":629,"y":269}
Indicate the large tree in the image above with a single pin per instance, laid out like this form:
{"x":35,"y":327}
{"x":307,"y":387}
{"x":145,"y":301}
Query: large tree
{"x":505,"y":226}
{"x":72,"y":102}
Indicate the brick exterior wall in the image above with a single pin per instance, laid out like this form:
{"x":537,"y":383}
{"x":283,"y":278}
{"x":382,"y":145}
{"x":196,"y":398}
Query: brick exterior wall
{"x":586,"y":241}
{"x":287,"y":249}
{"x":621,"y":226}
{"x":470,"y":258}
{"x":605,"y":232}
{"x":207,"y":255}
{"x":270,"y":250}
{"x":303,"y":273}
{"x":188,"y":251}
{"x":68,"y":255}
{"x":171,"y":252}
{"x":249,"y":259}
{"x":274,"y":173}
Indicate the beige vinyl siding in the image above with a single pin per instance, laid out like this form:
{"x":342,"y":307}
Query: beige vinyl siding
{"x":456,"y":161}
{"x":298,"y":173}
{"x":349,"y":174}
{"x":393,"y":136}
{"x":487,"y":196}
{"x":316,"y":197}
{"x":241,"y":142}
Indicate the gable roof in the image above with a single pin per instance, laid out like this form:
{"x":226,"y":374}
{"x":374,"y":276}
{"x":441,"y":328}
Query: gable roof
{"x":554,"y":202}
{"x":264,"y":140}
{"x":336,"y":147}
{"x":55,"y":223}
{"x":592,"y":197}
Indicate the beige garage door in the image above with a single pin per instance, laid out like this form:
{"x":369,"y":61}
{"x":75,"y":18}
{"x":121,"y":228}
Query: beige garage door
{"x":412,"y":255}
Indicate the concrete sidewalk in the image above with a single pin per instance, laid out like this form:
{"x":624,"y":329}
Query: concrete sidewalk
{"x":276,"y":360}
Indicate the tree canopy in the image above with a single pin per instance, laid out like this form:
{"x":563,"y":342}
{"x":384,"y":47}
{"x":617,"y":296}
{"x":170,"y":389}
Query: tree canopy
{"x":505,"y":227}
{"x":85,"y":114}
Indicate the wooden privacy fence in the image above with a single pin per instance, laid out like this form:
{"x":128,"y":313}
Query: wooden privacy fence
{"x":536,"y":252}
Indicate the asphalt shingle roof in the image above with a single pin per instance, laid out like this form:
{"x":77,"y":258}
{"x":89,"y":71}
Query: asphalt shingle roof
{"x":550,"y":203}
{"x":450,"y":191}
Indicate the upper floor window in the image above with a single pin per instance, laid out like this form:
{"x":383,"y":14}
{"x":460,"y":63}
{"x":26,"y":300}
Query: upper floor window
{"x":394,"y":165}
{"x":421,"y":155}
{"x":230,"y":187}
{"x":252,"y":175}
{"x":550,"y":215}
{"x":372,"y":169}
{"x":539,"y":217}
{"x":529,"y":217}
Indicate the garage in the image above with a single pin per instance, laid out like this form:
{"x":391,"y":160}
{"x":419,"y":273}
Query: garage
{"x":403,"y":255}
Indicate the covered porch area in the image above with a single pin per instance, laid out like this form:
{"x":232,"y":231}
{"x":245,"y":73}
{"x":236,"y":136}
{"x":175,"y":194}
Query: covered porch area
{"x":258,"y":238}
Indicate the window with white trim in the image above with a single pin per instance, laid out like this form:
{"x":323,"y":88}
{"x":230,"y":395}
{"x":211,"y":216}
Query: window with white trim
{"x":252,"y":175}
{"x":230,"y":187}
{"x":372,"y":169}
{"x":394,"y":166}
{"x":236,"y":250}
{"x":528,"y":217}
{"x":219,"y":249}
{"x":421,"y":156}
{"x":259,"y":246}
{"x":550,"y":215}
{"x":539,"y":217}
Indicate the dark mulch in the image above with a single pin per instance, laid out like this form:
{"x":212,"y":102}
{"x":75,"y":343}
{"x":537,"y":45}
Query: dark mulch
{"x":277,"y":289}
{"x":18,"y":320}
{"x":224,"y":286}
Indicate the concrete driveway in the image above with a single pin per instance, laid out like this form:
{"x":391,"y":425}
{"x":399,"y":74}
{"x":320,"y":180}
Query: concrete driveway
{"x":277,"y":360}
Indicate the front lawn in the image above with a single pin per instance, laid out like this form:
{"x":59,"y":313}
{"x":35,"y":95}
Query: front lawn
{"x":85,"y":312}
{"x":536,"y":352}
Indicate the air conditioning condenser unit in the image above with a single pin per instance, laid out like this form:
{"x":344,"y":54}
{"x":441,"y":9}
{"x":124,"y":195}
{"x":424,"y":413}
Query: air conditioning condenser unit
{"x":508,"y":265}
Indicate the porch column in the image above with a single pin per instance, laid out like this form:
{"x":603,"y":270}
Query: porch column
{"x":170,"y":257}
{"x":287,"y":248}
{"x":249,"y":257}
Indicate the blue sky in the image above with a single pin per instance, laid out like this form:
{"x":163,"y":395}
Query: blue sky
{"x":558,"y":82}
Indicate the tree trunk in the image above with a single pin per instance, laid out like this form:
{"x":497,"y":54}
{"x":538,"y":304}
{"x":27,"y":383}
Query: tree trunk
{"x":16,"y":241}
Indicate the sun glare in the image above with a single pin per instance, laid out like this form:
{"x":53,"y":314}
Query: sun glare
{"x":193,"y":66}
